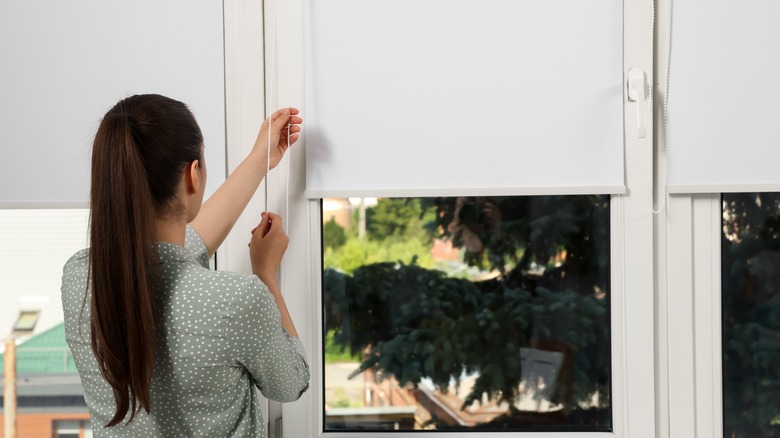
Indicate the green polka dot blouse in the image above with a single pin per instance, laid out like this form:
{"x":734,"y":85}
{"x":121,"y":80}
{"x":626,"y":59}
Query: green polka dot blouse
{"x":219,"y":337}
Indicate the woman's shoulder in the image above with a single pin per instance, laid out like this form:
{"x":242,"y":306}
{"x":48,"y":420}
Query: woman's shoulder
{"x":76,"y":267}
{"x":248,"y":290}
{"x":201,"y":282}
{"x":247,"y":283}
{"x":78,"y":257}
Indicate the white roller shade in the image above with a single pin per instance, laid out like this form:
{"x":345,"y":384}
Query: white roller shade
{"x":445,"y":97}
{"x":65,"y":63}
{"x":723,"y":99}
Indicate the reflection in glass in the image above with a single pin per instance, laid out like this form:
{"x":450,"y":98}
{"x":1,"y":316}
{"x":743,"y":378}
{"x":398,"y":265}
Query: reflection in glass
{"x":750,"y":281}
{"x":487,"y":313}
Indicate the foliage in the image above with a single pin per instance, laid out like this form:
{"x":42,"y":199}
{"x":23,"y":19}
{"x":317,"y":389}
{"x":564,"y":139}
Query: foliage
{"x":394,"y":217}
{"x":358,"y":252}
{"x":751,"y":314}
{"x":395,"y":233}
{"x":333,"y":235}
{"x":543,"y":226}
{"x":550,"y":290}
{"x":425,"y":325}
{"x":337,"y":353}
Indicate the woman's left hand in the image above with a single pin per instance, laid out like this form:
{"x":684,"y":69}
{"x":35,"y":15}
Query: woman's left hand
{"x":279,"y":132}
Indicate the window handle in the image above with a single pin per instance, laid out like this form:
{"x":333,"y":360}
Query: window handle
{"x":637,"y":92}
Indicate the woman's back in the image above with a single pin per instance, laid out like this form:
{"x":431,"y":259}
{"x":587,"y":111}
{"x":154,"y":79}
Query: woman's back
{"x":218,"y":336}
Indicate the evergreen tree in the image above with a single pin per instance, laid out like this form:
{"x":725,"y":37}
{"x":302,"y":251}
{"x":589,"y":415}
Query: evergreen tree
{"x":549,"y":258}
{"x":750,"y":288}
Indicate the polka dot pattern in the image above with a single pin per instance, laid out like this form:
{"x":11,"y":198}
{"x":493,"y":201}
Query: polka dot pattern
{"x":219,"y":338}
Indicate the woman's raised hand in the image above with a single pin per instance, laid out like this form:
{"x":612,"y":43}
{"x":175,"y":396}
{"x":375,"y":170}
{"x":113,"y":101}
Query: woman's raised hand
{"x":267,"y":247}
{"x":279,"y":131}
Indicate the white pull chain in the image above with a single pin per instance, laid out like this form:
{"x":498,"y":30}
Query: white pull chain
{"x":268,"y":170}
{"x":268,"y":152}
{"x":287,"y":195}
{"x":269,"y":106}
{"x":268,"y":163}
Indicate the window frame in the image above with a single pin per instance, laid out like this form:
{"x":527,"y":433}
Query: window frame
{"x":248,"y":72}
{"x":245,"y":75}
{"x":632,"y":224}
{"x":687,"y":273}
{"x":617,"y":321}
{"x":690,"y":334}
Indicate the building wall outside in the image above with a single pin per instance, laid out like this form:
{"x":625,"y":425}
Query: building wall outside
{"x":42,"y":425}
{"x":36,"y":244}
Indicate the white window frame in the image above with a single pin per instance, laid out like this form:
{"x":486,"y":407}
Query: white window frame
{"x":632,"y":234}
{"x":245,"y":108}
{"x":636,"y":412}
{"x":690,"y":330}
{"x":688,"y":308}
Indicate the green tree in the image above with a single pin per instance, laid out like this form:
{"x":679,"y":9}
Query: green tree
{"x":394,"y":217}
{"x":395,"y":232}
{"x":417,"y":323}
{"x":333,"y":235}
{"x":750,"y":276}
{"x":359,"y":252}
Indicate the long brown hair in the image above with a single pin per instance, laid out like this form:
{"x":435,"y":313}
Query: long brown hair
{"x":140,"y":151}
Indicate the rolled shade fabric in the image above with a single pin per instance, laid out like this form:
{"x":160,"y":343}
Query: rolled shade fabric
{"x":448,"y":97}
{"x":723,"y":98}
{"x":64,"y":64}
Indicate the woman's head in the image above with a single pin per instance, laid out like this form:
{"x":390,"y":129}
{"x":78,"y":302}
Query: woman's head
{"x":147,"y":166}
{"x":159,"y":141}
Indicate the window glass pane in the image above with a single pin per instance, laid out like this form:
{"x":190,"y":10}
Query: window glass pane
{"x":488,"y":313}
{"x":750,"y":279}
{"x":35,"y":246}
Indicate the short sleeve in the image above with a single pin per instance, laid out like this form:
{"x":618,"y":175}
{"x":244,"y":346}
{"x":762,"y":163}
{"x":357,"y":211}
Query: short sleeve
{"x":196,"y":247}
{"x":258,"y":342}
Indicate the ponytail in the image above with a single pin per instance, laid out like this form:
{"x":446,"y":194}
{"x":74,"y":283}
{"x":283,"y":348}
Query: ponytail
{"x":139,"y":153}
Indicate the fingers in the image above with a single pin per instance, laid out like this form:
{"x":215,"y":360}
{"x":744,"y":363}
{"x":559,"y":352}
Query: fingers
{"x":285,"y":112}
{"x":284,"y":131}
{"x":276,"y":222}
{"x":269,"y":221}
{"x":263,"y":226}
{"x":294,"y":129}
{"x":285,"y":116}
{"x":293,"y":139}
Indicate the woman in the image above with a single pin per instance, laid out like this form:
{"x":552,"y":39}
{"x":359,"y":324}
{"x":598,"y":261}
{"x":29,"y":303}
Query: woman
{"x":163,"y":345}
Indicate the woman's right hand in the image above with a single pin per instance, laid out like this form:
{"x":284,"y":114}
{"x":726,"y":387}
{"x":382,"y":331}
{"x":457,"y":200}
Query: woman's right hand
{"x":267,"y":247}
{"x":280,"y":120}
